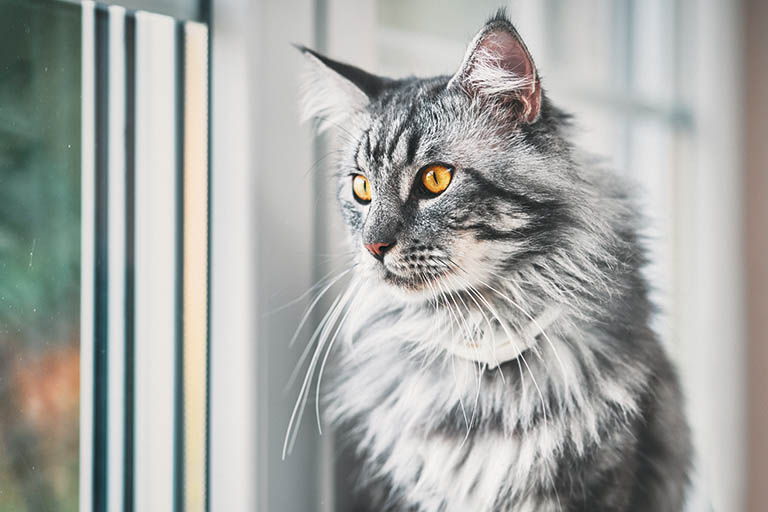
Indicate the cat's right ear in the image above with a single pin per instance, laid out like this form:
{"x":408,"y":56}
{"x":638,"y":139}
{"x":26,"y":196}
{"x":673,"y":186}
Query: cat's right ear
{"x":498,"y":68}
{"x":333,"y":91}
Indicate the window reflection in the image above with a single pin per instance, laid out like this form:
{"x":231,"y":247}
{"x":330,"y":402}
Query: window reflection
{"x":39,"y":254}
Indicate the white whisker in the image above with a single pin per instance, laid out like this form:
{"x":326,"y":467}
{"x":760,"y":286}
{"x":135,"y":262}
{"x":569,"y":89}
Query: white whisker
{"x":325,"y":360}
{"x":538,"y":326}
{"x":511,"y":339}
{"x":314,"y":303}
{"x":298,"y":409}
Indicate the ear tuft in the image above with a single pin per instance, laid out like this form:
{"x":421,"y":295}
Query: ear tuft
{"x":332,"y":91}
{"x":498,"y":67}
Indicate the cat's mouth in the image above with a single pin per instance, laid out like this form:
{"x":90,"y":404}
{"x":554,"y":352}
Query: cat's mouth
{"x":414,"y":270}
{"x":411,"y":281}
{"x":407,"y":282}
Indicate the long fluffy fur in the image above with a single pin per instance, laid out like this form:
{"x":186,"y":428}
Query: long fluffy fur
{"x":590,"y":418}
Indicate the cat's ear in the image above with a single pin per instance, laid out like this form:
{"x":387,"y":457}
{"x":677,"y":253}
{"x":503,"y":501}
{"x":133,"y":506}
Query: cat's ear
{"x":333,"y":91}
{"x":499,"y":68}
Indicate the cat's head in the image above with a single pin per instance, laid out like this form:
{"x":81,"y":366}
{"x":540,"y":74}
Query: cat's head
{"x":446,"y":182}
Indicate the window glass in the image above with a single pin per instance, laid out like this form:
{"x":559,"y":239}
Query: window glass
{"x":439,"y":32}
{"x":179,"y":9}
{"x":39,"y":254}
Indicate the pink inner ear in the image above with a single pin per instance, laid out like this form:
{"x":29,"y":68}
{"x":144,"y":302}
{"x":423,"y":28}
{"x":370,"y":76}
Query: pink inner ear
{"x":510,"y":52}
{"x":514,"y":57}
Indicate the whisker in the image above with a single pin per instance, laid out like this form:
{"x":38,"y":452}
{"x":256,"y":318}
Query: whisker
{"x":522,"y":356}
{"x":479,"y":373}
{"x":472,"y":290}
{"x":320,"y":282}
{"x":325,"y":360}
{"x":490,"y":310}
{"x":314,"y":303}
{"x":298,"y":409}
{"x":310,"y":343}
{"x":317,"y":162}
{"x":351,"y":138}
{"x":538,"y":326}
{"x":453,"y":361}
{"x":433,"y":293}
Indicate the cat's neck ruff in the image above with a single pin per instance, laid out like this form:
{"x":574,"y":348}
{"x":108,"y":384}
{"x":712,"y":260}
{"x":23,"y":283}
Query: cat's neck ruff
{"x":505,"y":346}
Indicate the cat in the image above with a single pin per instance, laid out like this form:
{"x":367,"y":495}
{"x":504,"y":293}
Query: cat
{"x":496,"y":351}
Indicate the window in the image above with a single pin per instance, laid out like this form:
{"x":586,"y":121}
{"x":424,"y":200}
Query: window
{"x":104,"y":250}
{"x":39,"y":256}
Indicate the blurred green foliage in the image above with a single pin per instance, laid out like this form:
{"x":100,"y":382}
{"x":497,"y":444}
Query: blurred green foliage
{"x":39,"y":167}
{"x":39,"y":248}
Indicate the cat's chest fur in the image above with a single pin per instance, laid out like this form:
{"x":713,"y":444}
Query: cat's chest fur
{"x":448,"y":435}
{"x":410,"y":427}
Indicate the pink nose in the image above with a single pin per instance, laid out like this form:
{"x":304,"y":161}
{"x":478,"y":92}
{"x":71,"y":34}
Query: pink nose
{"x":378,"y":249}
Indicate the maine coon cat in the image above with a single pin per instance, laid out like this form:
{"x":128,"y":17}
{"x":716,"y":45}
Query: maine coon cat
{"x":493,"y":349}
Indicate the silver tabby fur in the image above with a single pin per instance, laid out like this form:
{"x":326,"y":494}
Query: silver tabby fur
{"x":590,"y":419}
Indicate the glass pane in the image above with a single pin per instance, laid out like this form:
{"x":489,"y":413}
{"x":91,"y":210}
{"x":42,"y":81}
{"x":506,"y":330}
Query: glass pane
{"x":655,"y":49}
{"x":179,"y":9}
{"x":450,"y":19}
{"x":587,"y":43}
{"x":441,"y":43}
{"x":39,"y":254}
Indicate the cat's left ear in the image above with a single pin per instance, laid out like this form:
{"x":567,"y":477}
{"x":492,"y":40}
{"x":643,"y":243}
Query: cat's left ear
{"x":498,"y":67}
{"x":333,"y":91}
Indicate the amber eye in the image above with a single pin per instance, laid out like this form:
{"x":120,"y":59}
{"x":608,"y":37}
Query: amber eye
{"x":436,"y":178}
{"x":362,"y":188}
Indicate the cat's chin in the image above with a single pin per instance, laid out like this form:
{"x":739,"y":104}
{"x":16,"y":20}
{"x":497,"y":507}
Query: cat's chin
{"x":407,"y":288}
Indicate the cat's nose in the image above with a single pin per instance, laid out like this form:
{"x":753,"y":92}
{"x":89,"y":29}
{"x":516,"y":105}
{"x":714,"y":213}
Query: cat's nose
{"x":378,"y":249}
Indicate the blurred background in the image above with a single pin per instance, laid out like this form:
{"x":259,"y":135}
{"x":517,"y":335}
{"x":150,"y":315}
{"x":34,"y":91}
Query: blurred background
{"x":673,"y":93}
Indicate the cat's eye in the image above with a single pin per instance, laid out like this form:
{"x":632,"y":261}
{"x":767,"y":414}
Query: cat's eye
{"x":361,"y":188}
{"x":435,"y":178}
